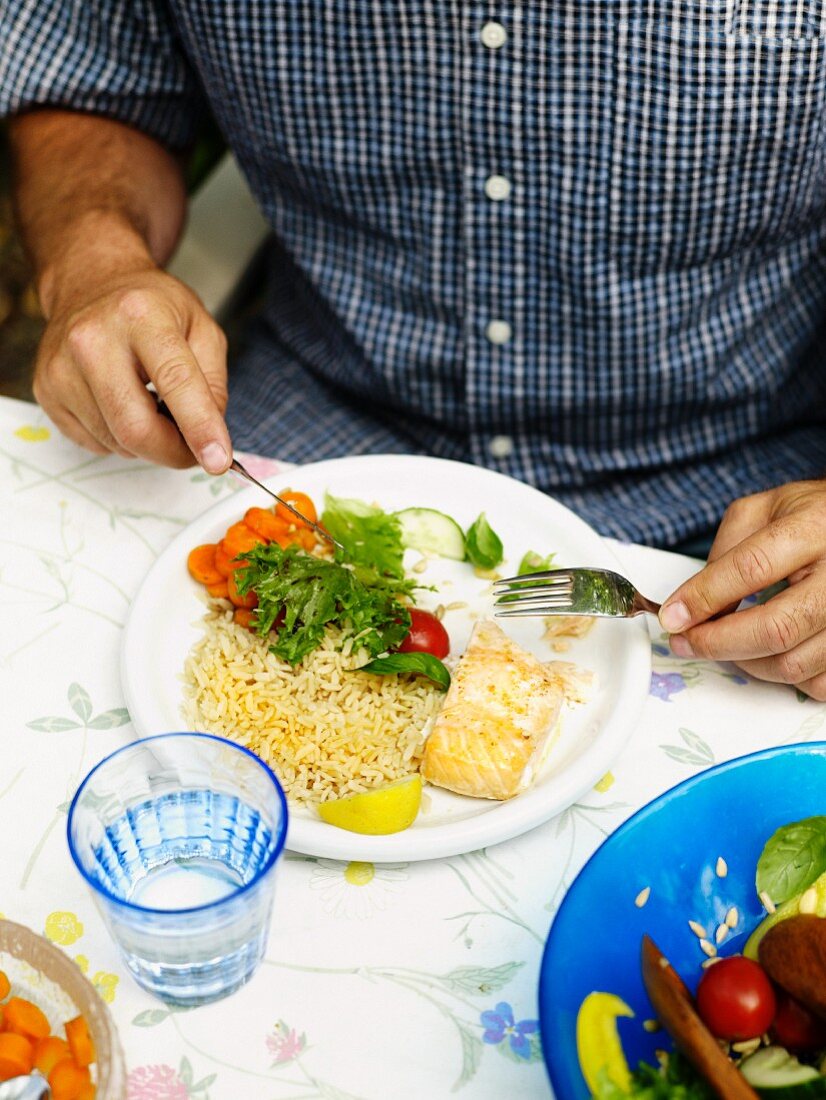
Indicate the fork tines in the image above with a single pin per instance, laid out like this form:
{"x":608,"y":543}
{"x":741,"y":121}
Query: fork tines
{"x":534,"y":593}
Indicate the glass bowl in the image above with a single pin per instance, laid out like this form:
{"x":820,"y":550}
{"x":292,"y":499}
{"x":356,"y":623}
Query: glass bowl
{"x":695,"y":848}
{"x":41,"y":972}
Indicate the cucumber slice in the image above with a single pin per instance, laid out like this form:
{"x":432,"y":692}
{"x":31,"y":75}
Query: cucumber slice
{"x":433,"y":532}
{"x":777,"y":1075}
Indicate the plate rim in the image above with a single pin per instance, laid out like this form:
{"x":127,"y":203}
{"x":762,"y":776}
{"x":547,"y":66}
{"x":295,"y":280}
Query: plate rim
{"x":469,"y":834}
{"x":795,"y":748}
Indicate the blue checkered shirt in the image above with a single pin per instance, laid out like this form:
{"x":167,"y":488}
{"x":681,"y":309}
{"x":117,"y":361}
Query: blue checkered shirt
{"x":581,"y":242}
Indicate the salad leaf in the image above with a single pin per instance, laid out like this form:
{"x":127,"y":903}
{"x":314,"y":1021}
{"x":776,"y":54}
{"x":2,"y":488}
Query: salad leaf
{"x":534,"y":563}
{"x":792,"y":859}
{"x":369,"y":535}
{"x":676,"y":1079}
{"x":482,"y":545}
{"x":424,"y":663}
{"x":301,"y":595}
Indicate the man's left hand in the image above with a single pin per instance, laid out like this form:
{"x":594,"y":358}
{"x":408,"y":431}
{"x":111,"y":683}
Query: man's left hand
{"x":763,"y":539}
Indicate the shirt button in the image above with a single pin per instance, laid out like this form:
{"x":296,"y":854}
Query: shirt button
{"x":493,"y":35}
{"x":501,"y":446}
{"x":497,"y":188}
{"x":498,"y":332}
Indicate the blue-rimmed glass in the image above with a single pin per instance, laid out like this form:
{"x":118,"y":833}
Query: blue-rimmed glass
{"x":178,"y":836}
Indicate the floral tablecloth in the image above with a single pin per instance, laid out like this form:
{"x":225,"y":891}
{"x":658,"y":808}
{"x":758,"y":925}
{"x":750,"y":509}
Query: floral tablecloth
{"x":404,"y":980}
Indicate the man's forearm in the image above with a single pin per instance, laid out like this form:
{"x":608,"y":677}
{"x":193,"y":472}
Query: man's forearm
{"x":93,"y":197}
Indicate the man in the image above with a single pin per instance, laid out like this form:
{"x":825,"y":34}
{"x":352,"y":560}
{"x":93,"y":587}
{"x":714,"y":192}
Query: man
{"x":581,"y":242}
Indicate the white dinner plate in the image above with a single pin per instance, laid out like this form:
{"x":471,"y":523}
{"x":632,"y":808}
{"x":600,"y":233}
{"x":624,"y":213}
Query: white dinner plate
{"x":165,"y":621}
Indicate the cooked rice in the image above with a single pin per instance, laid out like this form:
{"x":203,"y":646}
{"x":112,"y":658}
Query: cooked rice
{"x":326,"y":731}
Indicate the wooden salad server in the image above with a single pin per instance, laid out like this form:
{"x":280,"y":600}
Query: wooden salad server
{"x":675,"y":1010}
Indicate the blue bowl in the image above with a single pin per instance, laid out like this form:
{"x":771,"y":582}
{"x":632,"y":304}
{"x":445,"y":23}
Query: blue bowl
{"x":672,"y":846}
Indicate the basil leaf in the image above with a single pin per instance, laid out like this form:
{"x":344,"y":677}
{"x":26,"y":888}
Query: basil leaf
{"x":424,"y":663}
{"x":483,"y":546}
{"x":534,"y":563}
{"x":792,"y":859}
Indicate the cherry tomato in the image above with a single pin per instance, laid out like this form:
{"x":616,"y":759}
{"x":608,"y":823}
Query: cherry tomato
{"x":735,"y":999}
{"x":427,"y":635}
{"x":795,"y":1028}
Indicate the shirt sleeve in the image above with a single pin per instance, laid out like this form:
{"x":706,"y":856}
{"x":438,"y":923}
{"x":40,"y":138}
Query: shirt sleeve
{"x":119,"y":58}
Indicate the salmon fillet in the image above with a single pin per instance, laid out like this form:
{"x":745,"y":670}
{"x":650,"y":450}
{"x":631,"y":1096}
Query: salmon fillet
{"x":499,"y":713}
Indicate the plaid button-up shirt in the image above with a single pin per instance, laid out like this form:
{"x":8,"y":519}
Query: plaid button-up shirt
{"x":581,"y":241}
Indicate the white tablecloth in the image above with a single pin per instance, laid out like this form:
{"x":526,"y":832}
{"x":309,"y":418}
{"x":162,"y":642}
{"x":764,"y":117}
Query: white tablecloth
{"x":410,"y":980}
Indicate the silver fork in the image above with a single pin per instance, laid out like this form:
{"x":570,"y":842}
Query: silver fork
{"x":599,"y":592}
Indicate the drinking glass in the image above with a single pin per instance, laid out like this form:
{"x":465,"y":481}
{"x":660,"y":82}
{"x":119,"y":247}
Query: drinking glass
{"x":178,"y":837}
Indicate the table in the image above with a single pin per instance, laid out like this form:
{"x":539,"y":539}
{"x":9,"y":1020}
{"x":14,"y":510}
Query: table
{"x":404,"y":980}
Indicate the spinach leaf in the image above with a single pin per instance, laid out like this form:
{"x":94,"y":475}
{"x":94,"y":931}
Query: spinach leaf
{"x":792,"y":859}
{"x":424,"y":663}
{"x":534,"y":563}
{"x":483,"y":546}
{"x":370,"y":536}
{"x":300,"y":595}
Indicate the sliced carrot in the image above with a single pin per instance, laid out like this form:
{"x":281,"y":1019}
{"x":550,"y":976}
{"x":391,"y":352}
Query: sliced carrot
{"x":67,"y":1079}
{"x":15,"y":1055}
{"x":49,"y":1052}
{"x":307,"y":538}
{"x":300,"y":501}
{"x":239,"y":539}
{"x":88,"y":1092}
{"x":201,"y":564}
{"x":5,"y":986}
{"x":26,"y":1019}
{"x":223,"y":561}
{"x":243,"y":616}
{"x":288,"y":538}
{"x":249,"y":600}
{"x":80,"y":1041}
{"x":219,"y":591}
{"x":265,"y":523}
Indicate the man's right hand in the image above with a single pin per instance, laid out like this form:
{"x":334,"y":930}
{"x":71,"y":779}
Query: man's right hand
{"x":105,"y":341}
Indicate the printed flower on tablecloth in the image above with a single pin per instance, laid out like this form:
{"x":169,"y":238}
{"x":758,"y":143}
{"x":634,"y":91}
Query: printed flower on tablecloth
{"x":356,"y":889}
{"x":666,"y":684}
{"x":105,"y":984}
{"x":162,"y":1082}
{"x":284,"y":1043}
{"x":499,"y":1026}
{"x":29,"y":433}
{"x":63,"y":928}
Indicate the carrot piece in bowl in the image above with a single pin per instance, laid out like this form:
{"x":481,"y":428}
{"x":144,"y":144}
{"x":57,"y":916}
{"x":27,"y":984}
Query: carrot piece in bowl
{"x":80,"y":1041}
{"x":26,"y":1019}
{"x":49,"y":1052}
{"x":67,"y":1079}
{"x":15,"y":1055}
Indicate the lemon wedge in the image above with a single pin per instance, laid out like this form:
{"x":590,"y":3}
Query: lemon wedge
{"x":598,"y":1042}
{"x":386,"y":809}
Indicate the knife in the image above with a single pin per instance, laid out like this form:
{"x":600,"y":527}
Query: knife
{"x":241,"y":471}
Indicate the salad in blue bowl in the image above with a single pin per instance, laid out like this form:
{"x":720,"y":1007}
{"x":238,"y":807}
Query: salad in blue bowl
{"x":688,"y":959}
